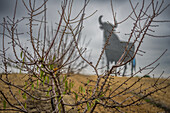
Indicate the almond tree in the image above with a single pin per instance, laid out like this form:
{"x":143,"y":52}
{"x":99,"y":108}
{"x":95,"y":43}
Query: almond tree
{"x":56,"y":55}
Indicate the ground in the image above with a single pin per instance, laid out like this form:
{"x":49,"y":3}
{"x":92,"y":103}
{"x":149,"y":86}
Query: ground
{"x":158,"y":102}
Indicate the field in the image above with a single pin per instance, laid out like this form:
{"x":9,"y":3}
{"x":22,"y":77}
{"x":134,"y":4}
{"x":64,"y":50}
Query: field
{"x":158,"y":102}
{"x":153,"y":104}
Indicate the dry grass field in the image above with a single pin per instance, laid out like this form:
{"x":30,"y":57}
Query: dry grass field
{"x":159,"y":102}
{"x":152,"y":104}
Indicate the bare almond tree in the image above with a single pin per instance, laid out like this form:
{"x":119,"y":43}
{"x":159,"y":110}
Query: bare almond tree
{"x":59,"y":53}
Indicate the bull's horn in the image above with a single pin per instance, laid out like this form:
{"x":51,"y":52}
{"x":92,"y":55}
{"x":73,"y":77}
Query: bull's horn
{"x":100,"y":19}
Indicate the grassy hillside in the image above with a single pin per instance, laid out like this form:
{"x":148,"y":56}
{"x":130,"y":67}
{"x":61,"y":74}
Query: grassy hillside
{"x":158,"y":102}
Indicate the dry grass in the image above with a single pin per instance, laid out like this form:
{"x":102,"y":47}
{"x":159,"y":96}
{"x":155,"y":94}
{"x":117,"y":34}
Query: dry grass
{"x":150,"y":106}
{"x":160,"y":98}
{"x":17,"y":79}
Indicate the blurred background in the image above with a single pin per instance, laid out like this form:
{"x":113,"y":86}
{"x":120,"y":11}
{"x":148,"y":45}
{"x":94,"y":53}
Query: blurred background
{"x":153,"y":47}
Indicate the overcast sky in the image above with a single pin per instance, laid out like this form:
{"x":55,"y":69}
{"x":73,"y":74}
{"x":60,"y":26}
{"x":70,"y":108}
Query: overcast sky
{"x":152,"y":46}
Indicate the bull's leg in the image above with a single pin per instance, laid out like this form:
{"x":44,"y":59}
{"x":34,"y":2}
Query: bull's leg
{"x":107,"y":65}
{"x":115,"y":70}
{"x":132,"y":68}
{"x":124,"y":70}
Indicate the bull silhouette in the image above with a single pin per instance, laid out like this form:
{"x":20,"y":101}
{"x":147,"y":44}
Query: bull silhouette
{"x":115,"y":48}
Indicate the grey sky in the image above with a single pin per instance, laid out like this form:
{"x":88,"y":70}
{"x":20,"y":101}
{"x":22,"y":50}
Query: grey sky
{"x":153,"y":46}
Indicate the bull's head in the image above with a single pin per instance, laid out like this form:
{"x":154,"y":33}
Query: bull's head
{"x":105,"y":25}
